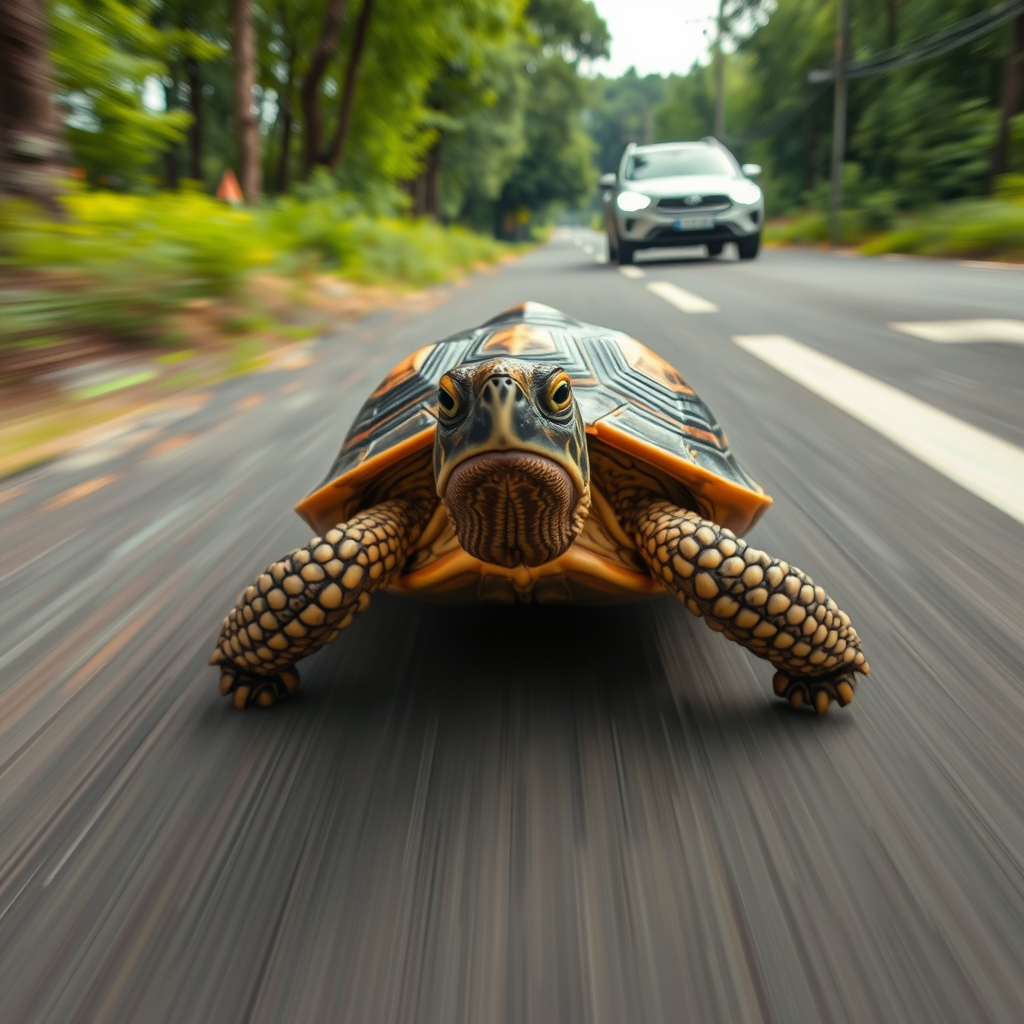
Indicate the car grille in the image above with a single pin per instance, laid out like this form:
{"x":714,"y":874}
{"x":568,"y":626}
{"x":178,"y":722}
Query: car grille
{"x":716,"y":202}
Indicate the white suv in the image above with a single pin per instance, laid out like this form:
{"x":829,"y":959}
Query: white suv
{"x":682,"y":193}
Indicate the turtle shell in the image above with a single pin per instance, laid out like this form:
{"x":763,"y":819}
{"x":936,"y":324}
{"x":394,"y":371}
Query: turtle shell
{"x":630,"y":398}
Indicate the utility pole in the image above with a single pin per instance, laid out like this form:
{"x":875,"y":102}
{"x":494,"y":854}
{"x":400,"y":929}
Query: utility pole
{"x":720,"y":74}
{"x":839,"y":124}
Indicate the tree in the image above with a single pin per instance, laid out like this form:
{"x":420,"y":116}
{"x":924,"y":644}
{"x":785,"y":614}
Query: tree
{"x":556,"y":165}
{"x":247,"y":125}
{"x":1010,"y":99}
{"x":31,"y":150}
{"x":105,"y":53}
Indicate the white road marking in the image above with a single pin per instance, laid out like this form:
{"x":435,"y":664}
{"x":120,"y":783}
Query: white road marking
{"x":949,"y":332}
{"x":680,"y":298}
{"x":588,"y":248}
{"x":634,"y":273}
{"x":987,"y":466}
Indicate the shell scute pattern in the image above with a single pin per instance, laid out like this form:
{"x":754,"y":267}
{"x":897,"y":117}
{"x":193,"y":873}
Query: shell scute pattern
{"x":617,"y":381}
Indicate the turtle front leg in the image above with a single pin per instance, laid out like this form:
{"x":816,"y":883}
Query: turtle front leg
{"x":770,"y":607}
{"x":304,"y":600}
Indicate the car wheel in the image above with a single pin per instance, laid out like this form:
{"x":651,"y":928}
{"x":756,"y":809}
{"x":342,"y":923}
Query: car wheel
{"x":715,"y":248}
{"x":749,"y":246}
{"x":625,"y":253}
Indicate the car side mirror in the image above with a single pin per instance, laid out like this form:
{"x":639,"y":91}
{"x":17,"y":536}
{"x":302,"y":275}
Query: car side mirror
{"x":608,"y":180}
{"x":751,"y":170}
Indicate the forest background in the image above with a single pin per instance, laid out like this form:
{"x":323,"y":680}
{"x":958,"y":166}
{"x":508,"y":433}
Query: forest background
{"x":482,"y":112}
{"x":396,"y":143}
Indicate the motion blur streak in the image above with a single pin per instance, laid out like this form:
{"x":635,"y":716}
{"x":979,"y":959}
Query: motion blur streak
{"x":503,"y":815}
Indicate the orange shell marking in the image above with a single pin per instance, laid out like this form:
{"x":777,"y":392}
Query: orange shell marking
{"x":404,"y":370}
{"x":731,"y":505}
{"x":650,"y":364}
{"x":337,"y":499}
{"x":522,"y":339}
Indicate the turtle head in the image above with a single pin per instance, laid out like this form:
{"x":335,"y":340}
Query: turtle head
{"x":510,"y":460}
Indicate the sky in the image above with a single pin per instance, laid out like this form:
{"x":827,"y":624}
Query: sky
{"x":655,"y":36}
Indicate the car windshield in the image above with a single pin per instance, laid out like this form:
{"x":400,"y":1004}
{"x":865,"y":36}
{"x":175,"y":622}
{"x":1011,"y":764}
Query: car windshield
{"x":667,"y":163}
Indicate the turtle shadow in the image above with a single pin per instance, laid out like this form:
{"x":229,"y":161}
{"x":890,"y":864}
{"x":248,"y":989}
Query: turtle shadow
{"x":637,"y":663}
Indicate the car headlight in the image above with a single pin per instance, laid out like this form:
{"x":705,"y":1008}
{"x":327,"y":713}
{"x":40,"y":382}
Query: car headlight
{"x":630,"y":202}
{"x":745,"y":192}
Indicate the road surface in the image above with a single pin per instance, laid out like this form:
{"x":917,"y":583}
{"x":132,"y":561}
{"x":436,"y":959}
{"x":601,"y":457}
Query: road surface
{"x":538,"y":815}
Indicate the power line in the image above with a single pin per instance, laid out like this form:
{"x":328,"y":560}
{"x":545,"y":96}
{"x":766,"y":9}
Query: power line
{"x":924,"y":49}
{"x":920,"y":50}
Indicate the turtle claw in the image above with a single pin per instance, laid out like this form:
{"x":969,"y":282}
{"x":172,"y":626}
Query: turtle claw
{"x":816,"y":692}
{"x":251,"y":689}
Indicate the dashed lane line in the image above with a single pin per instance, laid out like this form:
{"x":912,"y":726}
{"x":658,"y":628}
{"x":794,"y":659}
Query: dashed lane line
{"x":634,"y":273}
{"x":985,"y":465}
{"x":680,"y":298}
{"x":952,"y":332}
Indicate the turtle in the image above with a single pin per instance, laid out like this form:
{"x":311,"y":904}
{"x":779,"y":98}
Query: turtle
{"x":537,"y":458}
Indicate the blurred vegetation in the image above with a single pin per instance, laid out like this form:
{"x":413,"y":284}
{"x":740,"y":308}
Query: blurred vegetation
{"x":122,"y":265}
{"x":979,"y":227}
{"x":465,"y":112}
{"x":395,"y":140}
{"x":919,"y":138}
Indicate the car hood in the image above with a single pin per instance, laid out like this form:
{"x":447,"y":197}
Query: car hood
{"x":683,"y":185}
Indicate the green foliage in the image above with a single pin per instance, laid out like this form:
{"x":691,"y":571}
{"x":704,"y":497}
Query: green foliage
{"x":969,"y":228}
{"x":813,"y":229}
{"x":620,"y":111}
{"x":191,"y":243}
{"x":978,"y":228}
{"x":104,"y":51}
{"x":920,"y":135}
{"x":556,"y":165}
{"x":373,"y":250}
{"x":879,"y":210}
{"x":459,"y":87}
{"x":122,"y":265}
{"x":1010,"y":186}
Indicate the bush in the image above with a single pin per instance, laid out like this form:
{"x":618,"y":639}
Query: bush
{"x":122,"y":264}
{"x":971,"y":228}
{"x":879,"y":210}
{"x":813,"y":229}
{"x":1010,"y":186}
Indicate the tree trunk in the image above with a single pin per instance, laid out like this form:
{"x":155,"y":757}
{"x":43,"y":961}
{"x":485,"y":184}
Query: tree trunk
{"x":246,"y":124}
{"x":1011,"y":100}
{"x":171,"y":153}
{"x":431,"y":199}
{"x":195,"y":129}
{"x":891,"y":25}
{"x":286,"y":94}
{"x":720,"y":74}
{"x":810,"y":157}
{"x":284,"y":160}
{"x":326,"y":47}
{"x":32,"y":154}
{"x":337,"y":152}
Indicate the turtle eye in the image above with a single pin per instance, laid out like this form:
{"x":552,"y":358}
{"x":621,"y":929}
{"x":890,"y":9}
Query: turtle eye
{"x":447,"y":399}
{"x":560,"y":393}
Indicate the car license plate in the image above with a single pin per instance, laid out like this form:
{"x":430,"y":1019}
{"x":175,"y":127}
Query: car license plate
{"x":694,"y":224}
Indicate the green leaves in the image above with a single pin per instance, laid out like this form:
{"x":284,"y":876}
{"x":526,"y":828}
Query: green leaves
{"x":104,"y":51}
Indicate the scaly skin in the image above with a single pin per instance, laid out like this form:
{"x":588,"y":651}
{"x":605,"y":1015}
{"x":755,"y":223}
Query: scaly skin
{"x":304,"y":600}
{"x":770,"y":607}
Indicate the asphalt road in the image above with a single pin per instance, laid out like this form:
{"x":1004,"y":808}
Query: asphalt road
{"x":544,"y":815}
